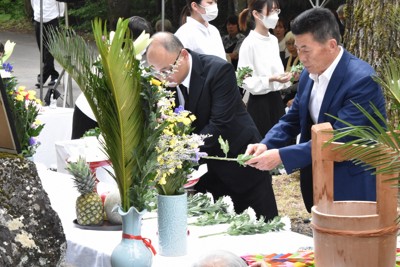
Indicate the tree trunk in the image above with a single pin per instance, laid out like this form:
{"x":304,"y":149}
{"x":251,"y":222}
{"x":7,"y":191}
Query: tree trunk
{"x":372,"y":35}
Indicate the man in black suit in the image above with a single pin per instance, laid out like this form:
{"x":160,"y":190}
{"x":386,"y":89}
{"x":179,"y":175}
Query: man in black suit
{"x":214,"y":98}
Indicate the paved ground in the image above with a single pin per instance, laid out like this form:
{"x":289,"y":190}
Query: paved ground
{"x":25,"y":60}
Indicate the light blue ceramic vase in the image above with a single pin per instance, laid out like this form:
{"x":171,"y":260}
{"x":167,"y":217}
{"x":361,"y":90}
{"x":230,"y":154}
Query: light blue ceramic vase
{"x":172,"y":225}
{"x":131,"y":252}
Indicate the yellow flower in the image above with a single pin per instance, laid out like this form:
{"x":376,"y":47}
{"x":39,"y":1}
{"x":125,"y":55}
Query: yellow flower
{"x":155,"y":82}
{"x":21,"y":88}
{"x":31,"y":95}
{"x":187,"y":121}
{"x":192,"y":117}
{"x":19,"y":97}
{"x":162,"y":180}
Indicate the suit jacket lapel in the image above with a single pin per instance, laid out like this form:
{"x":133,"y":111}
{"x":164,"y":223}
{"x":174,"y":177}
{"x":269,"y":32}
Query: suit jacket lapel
{"x":305,"y":113}
{"x":333,"y":86}
{"x":196,"y":82}
{"x":305,"y":100}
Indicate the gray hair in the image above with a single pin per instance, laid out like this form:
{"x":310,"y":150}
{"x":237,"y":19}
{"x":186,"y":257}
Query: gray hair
{"x":220,"y":258}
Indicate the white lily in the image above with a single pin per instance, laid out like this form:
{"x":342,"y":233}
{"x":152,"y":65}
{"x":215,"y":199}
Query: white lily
{"x":8,"y":49}
{"x":141,"y":43}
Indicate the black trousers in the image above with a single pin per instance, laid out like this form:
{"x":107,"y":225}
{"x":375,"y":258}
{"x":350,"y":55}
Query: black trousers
{"x":247,"y":187}
{"x":48,"y":59}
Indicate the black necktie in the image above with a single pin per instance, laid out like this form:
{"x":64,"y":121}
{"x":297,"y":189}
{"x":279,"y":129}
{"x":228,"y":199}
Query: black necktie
{"x":185,"y":94}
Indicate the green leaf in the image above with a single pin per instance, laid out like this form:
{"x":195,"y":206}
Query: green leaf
{"x":112,"y":84}
{"x":242,"y":73}
{"x":224,"y":145}
{"x":242,"y":158}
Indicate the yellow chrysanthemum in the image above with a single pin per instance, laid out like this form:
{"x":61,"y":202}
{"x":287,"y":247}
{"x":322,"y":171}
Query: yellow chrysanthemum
{"x":187,"y":121}
{"x":162,"y":181}
{"x":19,"y":97}
{"x":31,"y":96}
{"x":155,"y":82}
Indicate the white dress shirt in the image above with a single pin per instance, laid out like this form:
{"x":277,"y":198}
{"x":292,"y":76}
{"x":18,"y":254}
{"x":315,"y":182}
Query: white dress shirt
{"x":319,"y":88}
{"x":186,"y":83}
{"x":51,"y":9}
{"x":201,"y":39}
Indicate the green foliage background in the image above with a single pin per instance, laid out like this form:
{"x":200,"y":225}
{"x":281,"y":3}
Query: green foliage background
{"x":17,"y":14}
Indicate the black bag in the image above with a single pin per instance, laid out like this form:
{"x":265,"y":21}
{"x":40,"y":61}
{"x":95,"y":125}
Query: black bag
{"x":54,"y":93}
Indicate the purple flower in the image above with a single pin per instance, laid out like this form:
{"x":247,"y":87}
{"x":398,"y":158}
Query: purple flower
{"x":198,"y":155}
{"x":7,"y":67}
{"x":32,"y":141}
{"x":179,"y":109}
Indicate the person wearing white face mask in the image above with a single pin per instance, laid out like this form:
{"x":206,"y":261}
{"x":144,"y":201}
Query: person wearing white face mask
{"x":260,"y":52}
{"x":197,"y":34}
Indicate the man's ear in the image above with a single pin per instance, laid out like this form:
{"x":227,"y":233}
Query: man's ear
{"x":332,"y":44}
{"x":184,"y":53}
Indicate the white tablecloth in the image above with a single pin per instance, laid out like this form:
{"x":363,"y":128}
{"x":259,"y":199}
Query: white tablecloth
{"x":88,"y":248}
{"x":58,"y":128}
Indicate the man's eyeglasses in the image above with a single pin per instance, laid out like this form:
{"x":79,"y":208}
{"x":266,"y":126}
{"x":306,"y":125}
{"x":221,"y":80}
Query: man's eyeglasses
{"x":168,"y":71}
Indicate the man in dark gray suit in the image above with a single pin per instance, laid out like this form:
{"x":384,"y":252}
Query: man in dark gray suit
{"x":213,"y":97}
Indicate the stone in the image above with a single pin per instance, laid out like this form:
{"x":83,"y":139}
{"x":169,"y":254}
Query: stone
{"x":31,"y":233}
{"x":113,"y":199}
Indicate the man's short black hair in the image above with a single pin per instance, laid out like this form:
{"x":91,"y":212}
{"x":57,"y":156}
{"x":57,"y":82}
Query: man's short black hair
{"x":320,"y":22}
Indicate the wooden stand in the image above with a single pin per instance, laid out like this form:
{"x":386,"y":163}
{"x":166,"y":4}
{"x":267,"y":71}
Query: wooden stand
{"x":350,"y":233}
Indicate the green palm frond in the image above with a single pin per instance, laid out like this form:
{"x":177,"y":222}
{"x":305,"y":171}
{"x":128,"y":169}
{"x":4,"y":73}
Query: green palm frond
{"x":372,"y":147}
{"x":112,"y":85}
{"x":390,"y":79}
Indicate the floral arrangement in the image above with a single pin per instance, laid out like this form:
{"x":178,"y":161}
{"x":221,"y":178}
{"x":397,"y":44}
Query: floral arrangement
{"x":177,"y":148}
{"x":126,"y":101}
{"x":24,"y":106}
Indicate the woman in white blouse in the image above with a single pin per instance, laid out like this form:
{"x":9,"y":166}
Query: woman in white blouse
{"x":197,"y":33}
{"x":260,"y":52}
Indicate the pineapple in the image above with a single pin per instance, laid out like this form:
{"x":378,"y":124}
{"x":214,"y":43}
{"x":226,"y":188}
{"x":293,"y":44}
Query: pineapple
{"x":89,"y":207}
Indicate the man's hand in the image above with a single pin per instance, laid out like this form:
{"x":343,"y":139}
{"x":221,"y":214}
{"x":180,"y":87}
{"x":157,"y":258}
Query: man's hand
{"x":255,"y":149}
{"x":264,"y":161}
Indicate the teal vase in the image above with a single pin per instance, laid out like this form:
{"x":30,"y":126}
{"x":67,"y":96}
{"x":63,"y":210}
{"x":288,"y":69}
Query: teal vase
{"x":132,"y":251}
{"x":172,"y":225}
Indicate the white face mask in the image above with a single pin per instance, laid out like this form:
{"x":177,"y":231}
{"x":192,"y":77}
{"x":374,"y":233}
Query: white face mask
{"x":211,"y":12}
{"x":270,"y":21}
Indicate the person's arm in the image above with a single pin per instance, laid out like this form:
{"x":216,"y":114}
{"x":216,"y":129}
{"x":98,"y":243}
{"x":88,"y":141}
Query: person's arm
{"x":261,"y":81}
{"x":225,"y":98}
